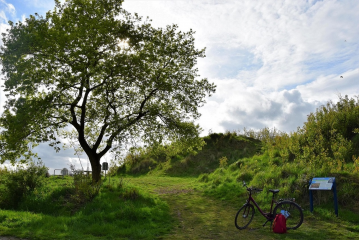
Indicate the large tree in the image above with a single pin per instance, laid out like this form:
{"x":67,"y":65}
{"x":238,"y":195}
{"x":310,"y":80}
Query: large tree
{"x":110,"y":75}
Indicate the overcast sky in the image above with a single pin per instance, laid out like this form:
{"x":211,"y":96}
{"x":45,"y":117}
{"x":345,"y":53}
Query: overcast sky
{"x":273,"y":62}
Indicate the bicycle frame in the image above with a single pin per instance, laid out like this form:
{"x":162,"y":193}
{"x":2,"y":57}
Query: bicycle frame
{"x":269,"y":216}
{"x":291,"y":211}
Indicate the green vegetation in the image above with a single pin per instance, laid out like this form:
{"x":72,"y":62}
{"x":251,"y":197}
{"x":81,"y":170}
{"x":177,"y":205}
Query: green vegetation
{"x":325,"y":146}
{"x":108,"y":74}
{"x":176,"y":192}
{"x":15,"y":185}
{"x":120,"y":210}
{"x":177,"y":160}
{"x":153,"y":207}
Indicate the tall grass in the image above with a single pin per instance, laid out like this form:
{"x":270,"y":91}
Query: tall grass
{"x":120,"y":210}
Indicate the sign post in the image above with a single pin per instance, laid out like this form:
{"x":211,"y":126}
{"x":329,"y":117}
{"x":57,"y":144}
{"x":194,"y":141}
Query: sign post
{"x":105,"y":167}
{"x":326,"y":183}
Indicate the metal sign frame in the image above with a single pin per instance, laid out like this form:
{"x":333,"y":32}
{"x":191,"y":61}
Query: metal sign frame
{"x":323,"y":184}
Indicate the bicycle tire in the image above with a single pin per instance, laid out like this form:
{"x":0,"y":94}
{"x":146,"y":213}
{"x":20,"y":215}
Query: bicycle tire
{"x":295,"y":218}
{"x":244,"y":216}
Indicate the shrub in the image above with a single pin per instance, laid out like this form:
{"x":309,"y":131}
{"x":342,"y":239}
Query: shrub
{"x":203,"y":177}
{"x":85,"y":189}
{"x":21,"y":182}
{"x":245,"y":176}
{"x":223,"y":162}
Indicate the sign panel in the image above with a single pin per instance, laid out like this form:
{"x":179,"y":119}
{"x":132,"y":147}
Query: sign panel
{"x":322,"y":183}
{"x":105,"y":166}
{"x":326,"y":183}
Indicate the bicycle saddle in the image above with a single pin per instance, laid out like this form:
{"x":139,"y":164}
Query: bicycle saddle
{"x":274,"y":190}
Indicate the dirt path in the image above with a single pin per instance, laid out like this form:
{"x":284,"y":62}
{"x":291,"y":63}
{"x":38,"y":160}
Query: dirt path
{"x":201,"y":217}
{"x":198,"y":216}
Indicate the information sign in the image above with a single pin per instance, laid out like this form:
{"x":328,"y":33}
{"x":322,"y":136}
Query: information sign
{"x":104,"y":166}
{"x":324,"y":183}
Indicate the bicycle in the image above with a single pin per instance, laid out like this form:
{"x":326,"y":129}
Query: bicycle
{"x":291,"y":210}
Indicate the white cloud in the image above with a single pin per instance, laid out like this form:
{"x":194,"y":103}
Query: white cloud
{"x":7,"y":7}
{"x":3,"y":17}
{"x":273,"y":61}
{"x":292,"y":39}
{"x":326,"y":88}
{"x":260,"y":51}
{"x":241,"y":106}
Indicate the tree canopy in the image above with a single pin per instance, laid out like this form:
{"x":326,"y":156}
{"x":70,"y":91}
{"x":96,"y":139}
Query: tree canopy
{"x":109,"y":74}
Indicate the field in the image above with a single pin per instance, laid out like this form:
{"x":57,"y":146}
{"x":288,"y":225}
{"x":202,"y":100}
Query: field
{"x":161,"y":207}
{"x":171,"y":192}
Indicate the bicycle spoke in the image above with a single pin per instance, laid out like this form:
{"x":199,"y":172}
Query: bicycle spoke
{"x":292,"y":212}
{"x":244,"y":216}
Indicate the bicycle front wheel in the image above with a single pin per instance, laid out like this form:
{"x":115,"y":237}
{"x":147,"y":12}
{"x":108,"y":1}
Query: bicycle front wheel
{"x":244,"y":216}
{"x":292,"y":212}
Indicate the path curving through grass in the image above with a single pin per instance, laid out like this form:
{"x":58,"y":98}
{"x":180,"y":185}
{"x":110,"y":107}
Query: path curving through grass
{"x":198,"y":216}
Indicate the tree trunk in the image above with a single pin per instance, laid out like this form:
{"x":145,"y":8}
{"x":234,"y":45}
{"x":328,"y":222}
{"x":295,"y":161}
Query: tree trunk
{"x":96,"y":167}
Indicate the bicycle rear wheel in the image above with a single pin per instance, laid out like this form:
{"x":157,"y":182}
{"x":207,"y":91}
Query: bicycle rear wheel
{"x":292,"y":212}
{"x":244,"y":216}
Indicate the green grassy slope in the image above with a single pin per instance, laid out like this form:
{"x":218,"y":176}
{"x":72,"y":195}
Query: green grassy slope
{"x":229,"y":159}
{"x":217,"y":146}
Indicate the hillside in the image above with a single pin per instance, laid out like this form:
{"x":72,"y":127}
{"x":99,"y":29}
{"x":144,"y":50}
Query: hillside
{"x":176,"y":191}
{"x":229,"y":147}
{"x":326,"y":146}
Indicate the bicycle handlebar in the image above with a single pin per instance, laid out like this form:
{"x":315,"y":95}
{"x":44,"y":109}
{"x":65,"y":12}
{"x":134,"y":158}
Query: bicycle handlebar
{"x":254,"y":189}
{"x":251,"y":188}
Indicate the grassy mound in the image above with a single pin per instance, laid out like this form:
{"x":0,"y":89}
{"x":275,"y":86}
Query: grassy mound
{"x":292,"y":178}
{"x":219,"y":150}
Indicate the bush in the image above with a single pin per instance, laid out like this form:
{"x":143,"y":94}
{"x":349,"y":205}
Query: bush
{"x":85,"y":189}
{"x":223,"y":162}
{"x":329,"y":139}
{"x":21,"y":182}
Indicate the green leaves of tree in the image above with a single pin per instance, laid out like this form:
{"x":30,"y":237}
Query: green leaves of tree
{"x":92,"y":65}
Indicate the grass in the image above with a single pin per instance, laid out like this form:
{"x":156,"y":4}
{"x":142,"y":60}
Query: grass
{"x":118,"y":212}
{"x":162,"y":207}
{"x":218,"y":146}
{"x":187,"y":197}
{"x":198,"y":215}
{"x":265,"y":172}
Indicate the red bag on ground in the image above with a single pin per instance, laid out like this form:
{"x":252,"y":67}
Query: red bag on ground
{"x":279,"y":224}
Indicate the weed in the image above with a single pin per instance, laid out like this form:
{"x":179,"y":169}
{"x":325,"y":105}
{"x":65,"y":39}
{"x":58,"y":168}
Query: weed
{"x":203,"y":177}
{"x":130,"y":193}
{"x":223,"y":162}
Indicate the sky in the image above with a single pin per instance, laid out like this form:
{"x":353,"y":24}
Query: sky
{"x":273,"y":62}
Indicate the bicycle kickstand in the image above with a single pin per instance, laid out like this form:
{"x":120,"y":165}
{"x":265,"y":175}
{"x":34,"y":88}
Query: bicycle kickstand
{"x":266,"y":222}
